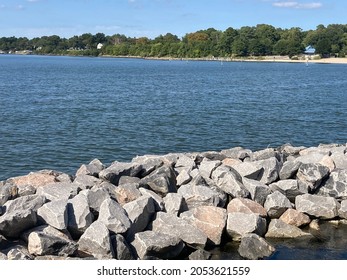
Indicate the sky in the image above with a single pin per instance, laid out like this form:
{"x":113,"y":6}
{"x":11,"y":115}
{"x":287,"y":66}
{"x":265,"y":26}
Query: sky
{"x":151,"y":18}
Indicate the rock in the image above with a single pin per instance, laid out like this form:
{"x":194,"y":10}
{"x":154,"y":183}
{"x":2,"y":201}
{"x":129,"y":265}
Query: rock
{"x":289,"y":169}
{"x":95,"y":197}
{"x":114,"y":217}
{"x":336,"y":185}
{"x":280,"y":229}
{"x":207,"y":167}
{"x":309,"y":156}
{"x":177,"y":227}
{"x":157,"y":199}
{"x":125,"y":180}
{"x":113,"y":173}
{"x":140,"y":213}
{"x":264,"y":154}
{"x":183,"y":178}
{"x":198,"y":195}
{"x":121,"y":248}
{"x":340,"y":159}
{"x":290,"y":188}
{"x":276,"y":204}
{"x":210,"y":220}
{"x":288,"y":149}
{"x":238,"y":224}
{"x":3,"y":257}
{"x":92,"y":169}
{"x":155,"y":244}
{"x":47,"y":240}
{"x":246,"y":206}
{"x":200,"y":255}
{"x":229,"y":181}
{"x":312,"y":174}
{"x":25,"y":190}
{"x":161,"y":180}
{"x":8,"y":192}
{"x":96,"y":242}
{"x":54,"y":213}
{"x":174,"y":203}
{"x":249,"y":170}
{"x":212,"y":155}
{"x":20,"y":215}
{"x":343,"y":210}
{"x":328,"y":162}
{"x":86,"y":181}
{"x":35,"y":179}
{"x":185,"y":162}
{"x":253,"y":247}
{"x":127,"y":193}
{"x":79,"y":215}
{"x":295,"y":218}
{"x":231,"y":162}
{"x":317,"y":206}
{"x":150,"y":163}
{"x":258,"y":190}
{"x":18,"y":252}
{"x":58,"y":191}
{"x":271,"y":168}
{"x":237,"y":153}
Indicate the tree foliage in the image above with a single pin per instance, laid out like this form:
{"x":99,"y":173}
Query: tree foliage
{"x":259,"y":40}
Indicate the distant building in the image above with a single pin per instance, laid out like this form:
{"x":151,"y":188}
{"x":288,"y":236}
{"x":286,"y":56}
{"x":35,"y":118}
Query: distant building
{"x":99,"y":46}
{"x":310,"y":50}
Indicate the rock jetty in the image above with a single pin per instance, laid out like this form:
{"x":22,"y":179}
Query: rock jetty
{"x":174,"y":206}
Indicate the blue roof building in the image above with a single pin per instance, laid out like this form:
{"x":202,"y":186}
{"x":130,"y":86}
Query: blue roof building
{"x":310,"y":50}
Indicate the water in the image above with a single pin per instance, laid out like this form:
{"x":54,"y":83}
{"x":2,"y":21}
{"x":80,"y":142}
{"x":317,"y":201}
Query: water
{"x":60,"y":112}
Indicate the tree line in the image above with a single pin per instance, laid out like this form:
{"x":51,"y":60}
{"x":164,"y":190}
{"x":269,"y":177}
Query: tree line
{"x":260,"y":40}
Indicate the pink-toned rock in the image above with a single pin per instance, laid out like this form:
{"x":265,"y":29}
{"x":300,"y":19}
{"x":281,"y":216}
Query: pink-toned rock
{"x":295,"y":218}
{"x":34,"y":179}
{"x":247,"y":206}
{"x":210,"y":220}
{"x":328,"y":162}
{"x":231,"y":161}
{"x":127,"y":193}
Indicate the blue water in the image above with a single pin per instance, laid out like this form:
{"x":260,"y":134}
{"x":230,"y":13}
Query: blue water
{"x":60,"y":112}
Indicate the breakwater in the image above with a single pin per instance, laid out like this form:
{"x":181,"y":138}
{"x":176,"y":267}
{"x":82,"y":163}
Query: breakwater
{"x":175,"y":206}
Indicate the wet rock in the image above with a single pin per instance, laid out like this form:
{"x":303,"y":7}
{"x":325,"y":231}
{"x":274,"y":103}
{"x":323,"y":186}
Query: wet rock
{"x":96,"y":242}
{"x":289,"y":169}
{"x":157,"y":199}
{"x":246,"y":206}
{"x":295,"y":218}
{"x":86,"y":181}
{"x":113,"y":173}
{"x":317,"y":206}
{"x":155,"y":244}
{"x":58,"y":191}
{"x":210,"y":220}
{"x":200,"y":255}
{"x":280,"y":229}
{"x":121,"y":248}
{"x":177,"y":227}
{"x":54,"y":214}
{"x":114,"y":217}
{"x":254,"y":247}
{"x":290,"y":188}
{"x":92,"y":169}
{"x":239,"y":224}
{"x":258,"y":190}
{"x":161,"y":180}
{"x":79,"y":215}
{"x":174,"y":204}
{"x":276,"y":204}
{"x":312,"y":174}
{"x":140,"y":213}
{"x":271,"y":168}
{"x":336,"y":185}
{"x":249,"y":170}
{"x":127,"y":193}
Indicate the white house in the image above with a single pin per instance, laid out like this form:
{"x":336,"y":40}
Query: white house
{"x":99,"y":46}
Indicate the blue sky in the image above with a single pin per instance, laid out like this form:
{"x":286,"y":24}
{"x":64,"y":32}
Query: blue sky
{"x":150,"y":18}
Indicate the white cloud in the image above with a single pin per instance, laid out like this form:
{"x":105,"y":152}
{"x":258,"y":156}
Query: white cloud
{"x":297,"y":5}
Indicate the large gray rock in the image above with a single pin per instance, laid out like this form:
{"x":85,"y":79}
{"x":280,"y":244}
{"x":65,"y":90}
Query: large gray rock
{"x":290,"y":188}
{"x":127,"y":193}
{"x":254,"y":247}
{"x":210,"y":220}
{"x":58,"y":191}
{"x":317,"y":206}
{"x":151,"y":162}
{"x":239,"y":224}
{"x":3,"y":257}
{"x":32,"y":202}
{"x":343,"y":210}
{"x":114,"y":217}
{"x":18,"y":252}
{"x":264,"y":154}
{"x":174,"y":203}
{"x":249,"y":170}
{"x":271,"y":168}
{"x":312,"y":174}
{"x":259,"y":191}
{"x":185,"y":162}
{"x":280,"y":229}
{"x":311,"y":156}
{"x":158,"y":245}
{"x":46,"y":240}
{"x":237,"y":153}
{"x":113,"y":173}
{"x":336,"y":185}
{"x":79,"y":215}
{"x":295,"y":218}
{"x":7,"y":192}
{"x":121,"y":248}
{"x":340,"y":159}
{"x":96,"y":242}
{"x":229,"y":181}
{"x":198,"y":195}
{"x":86,"y":181}
{"x":93,"y":168}
{"x":183,"y":178}
{"x":157,"y":199}
{"x":177,"y":227}
{"x":207,"y":166}
{"x":54,"y":213}
{"x":140,"y":213}
{"x":289,"y":169}
{"x":276,"y":204}
{"x":95,"y":197}
{"x":247,"y":206}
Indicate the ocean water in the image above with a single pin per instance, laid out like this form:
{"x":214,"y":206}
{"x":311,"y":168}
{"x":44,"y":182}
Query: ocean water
{"x":60,"y":112}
